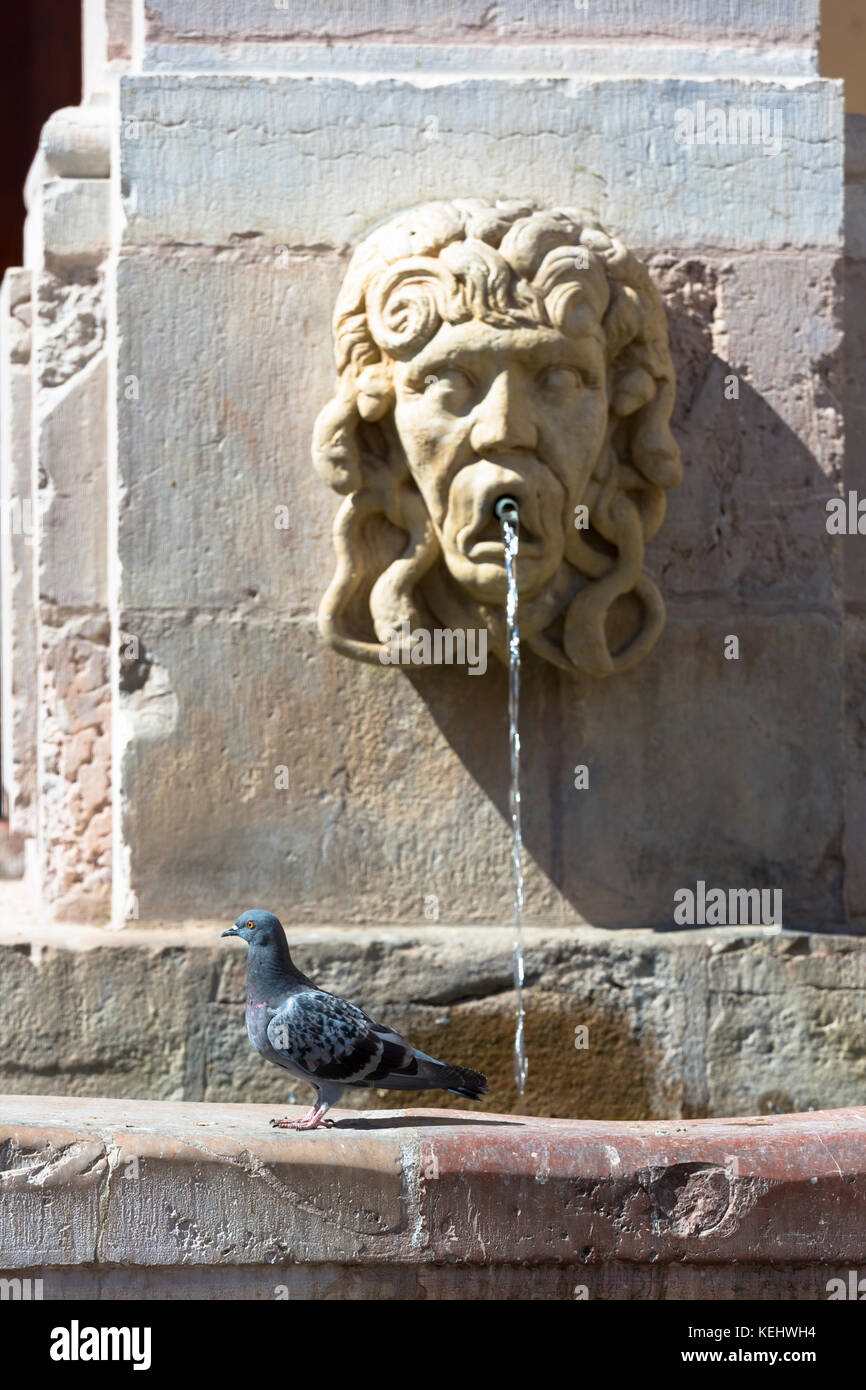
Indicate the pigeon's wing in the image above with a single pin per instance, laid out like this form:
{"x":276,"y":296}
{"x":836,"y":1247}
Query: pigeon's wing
{"x":333,"y":1040}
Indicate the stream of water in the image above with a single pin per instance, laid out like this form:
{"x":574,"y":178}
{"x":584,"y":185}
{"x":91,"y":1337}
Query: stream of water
{"x":511,"y":542}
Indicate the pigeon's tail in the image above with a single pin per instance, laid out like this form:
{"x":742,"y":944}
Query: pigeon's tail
{"x":460,"y":1081}
{"x":470,"y":1084}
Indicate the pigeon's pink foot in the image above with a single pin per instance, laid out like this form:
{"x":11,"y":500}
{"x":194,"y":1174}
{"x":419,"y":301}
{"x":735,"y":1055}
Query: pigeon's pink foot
{"x":311,"y":1121}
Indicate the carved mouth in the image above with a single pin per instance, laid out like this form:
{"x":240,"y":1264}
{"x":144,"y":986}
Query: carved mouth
{"x":476,"y":530}
{"x":484,"y":543}
{"x":491,"y":530}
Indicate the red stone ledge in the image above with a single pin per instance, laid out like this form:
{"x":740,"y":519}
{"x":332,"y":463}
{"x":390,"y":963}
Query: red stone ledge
{"x":161,"y":1199}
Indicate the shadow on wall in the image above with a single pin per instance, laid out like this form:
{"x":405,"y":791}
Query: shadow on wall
{"x":843,"y":33}
{"x":700,"y":766}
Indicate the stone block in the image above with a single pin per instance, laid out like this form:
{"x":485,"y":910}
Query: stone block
{"x":544,"y":37}
{"x":756,"y":342}
{"x":626,"y":1026}
{"x":221,"y":404}
{"x":323,"y":160}
{"x":336,"y":821}
{"x":75,"y":220}
{"x":471,"y":21}
{"x":73,"y":542}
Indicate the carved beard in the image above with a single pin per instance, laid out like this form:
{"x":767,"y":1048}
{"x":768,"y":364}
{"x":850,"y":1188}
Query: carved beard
{"x":546,"y":525}
{"x":471,"y":536}
{"x":452,"y":607}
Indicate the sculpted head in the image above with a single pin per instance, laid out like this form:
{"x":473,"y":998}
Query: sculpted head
{"x":483,"y":351}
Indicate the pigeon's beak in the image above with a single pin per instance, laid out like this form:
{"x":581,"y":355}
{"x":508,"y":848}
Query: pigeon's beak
{"x":232,"y":931}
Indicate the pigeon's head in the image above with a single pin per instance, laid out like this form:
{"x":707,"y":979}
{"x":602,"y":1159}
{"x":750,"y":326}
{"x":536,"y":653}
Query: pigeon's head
{"x":257,"y":928}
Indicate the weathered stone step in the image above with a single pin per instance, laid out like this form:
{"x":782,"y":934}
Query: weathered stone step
{"x":166,"y":1199}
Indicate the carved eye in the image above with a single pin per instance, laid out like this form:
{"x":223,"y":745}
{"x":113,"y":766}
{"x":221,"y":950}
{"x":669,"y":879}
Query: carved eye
{"x":452,"y":385}
{"x":560,"y":382}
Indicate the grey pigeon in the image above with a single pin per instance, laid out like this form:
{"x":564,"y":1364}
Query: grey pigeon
{"x":324,"y":1040}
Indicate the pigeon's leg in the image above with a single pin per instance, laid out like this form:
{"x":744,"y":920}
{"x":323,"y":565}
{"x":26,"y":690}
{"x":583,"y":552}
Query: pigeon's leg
{"x":309,"y":1121}
{"x":315,"y":1118}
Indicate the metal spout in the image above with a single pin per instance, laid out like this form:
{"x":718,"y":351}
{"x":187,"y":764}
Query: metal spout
{"x":506,"y":510}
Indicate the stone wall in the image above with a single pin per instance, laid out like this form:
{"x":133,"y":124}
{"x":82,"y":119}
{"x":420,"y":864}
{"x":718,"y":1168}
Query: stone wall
{"x":190,"y":746}
{"x":248,"y":157}
{"x":228,"y":272}
{"x":620,"y":1026}
{"x":56,"y":627}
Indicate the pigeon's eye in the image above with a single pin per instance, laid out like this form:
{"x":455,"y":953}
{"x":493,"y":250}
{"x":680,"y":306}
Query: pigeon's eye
{"x":250,"y":925}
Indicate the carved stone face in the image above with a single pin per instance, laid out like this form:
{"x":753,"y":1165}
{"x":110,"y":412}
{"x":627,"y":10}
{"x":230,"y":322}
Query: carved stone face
{"x":482,"y":412}
{"x":490,"y":350}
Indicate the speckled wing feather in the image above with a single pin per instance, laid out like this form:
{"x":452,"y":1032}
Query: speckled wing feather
{"x":332,"y":1040}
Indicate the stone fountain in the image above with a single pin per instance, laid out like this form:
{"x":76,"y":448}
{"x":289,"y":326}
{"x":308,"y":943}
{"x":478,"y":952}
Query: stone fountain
{"x":559,"y":264}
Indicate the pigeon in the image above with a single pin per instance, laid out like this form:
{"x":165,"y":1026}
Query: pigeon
{"x":325,"y":1040}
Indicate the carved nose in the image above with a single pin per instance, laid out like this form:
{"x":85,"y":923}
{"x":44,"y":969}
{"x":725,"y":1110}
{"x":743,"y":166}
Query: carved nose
{"x":502,"y":418}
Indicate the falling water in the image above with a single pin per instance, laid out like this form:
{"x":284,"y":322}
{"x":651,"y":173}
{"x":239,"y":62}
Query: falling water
{"x":510,"y":525}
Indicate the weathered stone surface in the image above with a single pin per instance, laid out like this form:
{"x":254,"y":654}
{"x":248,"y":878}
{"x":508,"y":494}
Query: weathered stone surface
{"x":279,"y":1204}
{"x":70,"y":488}
{"x":704,"y":1192}
{"x":854,"y":546}
{"x":614,"y":1280}
{"x":536,"y":58}
{"x":75,"y":765}
{"x":472,"y":21}
{"x":758,"y":417}
{"x":540,"y":37}
{"x":337,"y":822}
{"x":223,"y":406}
{"x":362,"y":151}
{"x":18,"y":515}
{"x":703,"y":1022}
{"x":72,"y":500}
{"x":74,"y":221}
{"x":75,"y":143}
{"x":162,"y":1188}
{"x":50,"y":1194}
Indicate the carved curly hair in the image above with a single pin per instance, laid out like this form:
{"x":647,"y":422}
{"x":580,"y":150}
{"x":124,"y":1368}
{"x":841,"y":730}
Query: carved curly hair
{"x":507,"y":264}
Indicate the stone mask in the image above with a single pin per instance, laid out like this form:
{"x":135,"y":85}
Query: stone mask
{"x":491,"y":350}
